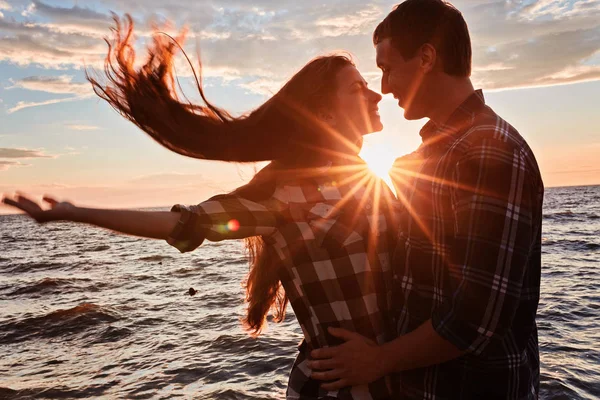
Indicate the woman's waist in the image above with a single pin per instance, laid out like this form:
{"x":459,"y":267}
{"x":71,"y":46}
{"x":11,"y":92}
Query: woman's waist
{"x":302,"y":383}
{"x":377,"y":326}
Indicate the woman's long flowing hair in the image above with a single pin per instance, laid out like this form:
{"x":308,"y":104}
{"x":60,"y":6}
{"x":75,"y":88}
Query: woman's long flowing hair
{"x":284,"y":128}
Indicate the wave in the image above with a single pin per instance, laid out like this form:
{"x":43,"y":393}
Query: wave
{"x":38,"y":266}
{"x":184,"y":271}
{"x":570,"y":215}
{"x":57,"y":323}
{"x":230,"y":394}
{"x":572,"y":245}
{"x":201,"y":263}
{"x":47,"y":285}
{"x":60,"y":286}
{"x":113,"y":334}
{"x":155,"y":258}
{"x":560,"y":215}
{"x":103,"y":247}
{"x":15,"y":239}
{"x":60,"y":392}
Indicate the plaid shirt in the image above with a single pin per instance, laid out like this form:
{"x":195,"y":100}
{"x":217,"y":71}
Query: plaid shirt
{"x":327,"y":233}
{"x":469,"y":256}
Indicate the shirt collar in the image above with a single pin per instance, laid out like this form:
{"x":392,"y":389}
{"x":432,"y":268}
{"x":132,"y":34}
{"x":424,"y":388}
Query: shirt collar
{"x":434,"y":135}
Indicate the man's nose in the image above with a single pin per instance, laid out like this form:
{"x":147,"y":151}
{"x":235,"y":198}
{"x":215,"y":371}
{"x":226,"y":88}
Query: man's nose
{"x":385,"y":87}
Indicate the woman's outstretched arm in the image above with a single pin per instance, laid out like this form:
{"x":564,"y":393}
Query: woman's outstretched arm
{"x":149,"y":224}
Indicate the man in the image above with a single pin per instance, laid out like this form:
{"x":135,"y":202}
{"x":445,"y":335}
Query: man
{"x":468,"y":258}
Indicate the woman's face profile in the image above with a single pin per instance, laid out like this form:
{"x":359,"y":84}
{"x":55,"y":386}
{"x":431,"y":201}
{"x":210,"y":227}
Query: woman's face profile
{"x":355,"y":109}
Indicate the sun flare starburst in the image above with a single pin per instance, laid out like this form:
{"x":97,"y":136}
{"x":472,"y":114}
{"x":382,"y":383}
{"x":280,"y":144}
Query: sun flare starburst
{"x":380,"y":160}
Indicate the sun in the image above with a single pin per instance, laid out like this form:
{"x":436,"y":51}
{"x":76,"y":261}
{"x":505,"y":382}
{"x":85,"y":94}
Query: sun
{"x":380,"y":159}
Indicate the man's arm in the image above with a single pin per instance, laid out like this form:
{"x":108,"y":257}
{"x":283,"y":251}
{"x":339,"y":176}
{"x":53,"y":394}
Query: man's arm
{"x":360,"y":361}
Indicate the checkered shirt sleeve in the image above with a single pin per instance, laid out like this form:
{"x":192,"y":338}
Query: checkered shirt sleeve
{"x":223,"y":217}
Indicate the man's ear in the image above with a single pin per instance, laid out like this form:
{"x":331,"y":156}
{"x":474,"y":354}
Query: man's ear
{"x":428,"y":57}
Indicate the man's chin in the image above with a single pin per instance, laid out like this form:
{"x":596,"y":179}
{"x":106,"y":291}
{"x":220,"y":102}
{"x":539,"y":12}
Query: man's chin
{"x":412,"y":115}
{"x":375,"y":126}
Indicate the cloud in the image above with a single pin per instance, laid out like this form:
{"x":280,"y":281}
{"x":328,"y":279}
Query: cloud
{"x":22,"y":153}
{"x":78,"y":127}
{"x":63,"y":38}
{"x":72,"y":20}
{"x":5,"y":6}
{"x":358,"y":22}
{"x":263,"y":85}
{"x":53,"y":186}
{"x":575,"y":171}
{"x":53,"y":84}
{"x":169,"y":179}
{"x":26,"y":104}
{"x":553,"y":9}
{"x":548,"y":59}
{"x":30,"y":45}
{"x":5,"y":165}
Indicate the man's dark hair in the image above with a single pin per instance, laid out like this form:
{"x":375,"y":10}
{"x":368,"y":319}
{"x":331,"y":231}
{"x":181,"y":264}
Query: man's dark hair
{"x":414,"y":23}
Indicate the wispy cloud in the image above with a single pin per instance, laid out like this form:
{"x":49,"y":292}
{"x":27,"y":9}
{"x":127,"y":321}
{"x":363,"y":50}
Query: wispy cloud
{"x":53,"y":84}
{"x":263,"y":85}
{"x":25,"y":104}
{"x":4,"y":165}
{"x":79,"y":127}
{"x":50,"y":84}
{"x":359,"y":22}
{"x":22,"y":153}
{"x":553,"y":9}
{"x":77,"y":19}
{"x":169,"y":179}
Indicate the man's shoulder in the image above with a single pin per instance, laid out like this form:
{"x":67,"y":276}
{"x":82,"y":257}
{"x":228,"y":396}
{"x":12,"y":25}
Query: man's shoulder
{"x":492,"y":130}
{"x":491,"y":137}
{"x":406,"y":162}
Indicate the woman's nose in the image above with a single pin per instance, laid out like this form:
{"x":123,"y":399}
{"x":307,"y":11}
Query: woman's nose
{"x":375,"y":97}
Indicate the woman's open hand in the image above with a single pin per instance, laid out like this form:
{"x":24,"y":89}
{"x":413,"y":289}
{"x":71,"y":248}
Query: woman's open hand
{"x":59,"y":211}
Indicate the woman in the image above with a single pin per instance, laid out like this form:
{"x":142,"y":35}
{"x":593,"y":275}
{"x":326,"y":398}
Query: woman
{"x":317,"y":224}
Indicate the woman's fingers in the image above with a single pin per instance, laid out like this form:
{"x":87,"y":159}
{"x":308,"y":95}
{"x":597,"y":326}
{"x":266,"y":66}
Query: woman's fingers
{"x":24,"y":203}
{"x":10,"y":202}
{"x":33,"y":212}
{"x":29,"y":204}
{"x":50,"y":200}
{"x":30,"y":207}
{"x":18,"y":203}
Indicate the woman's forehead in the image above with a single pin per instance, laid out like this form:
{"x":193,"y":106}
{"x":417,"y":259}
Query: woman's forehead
{"x":349,"y":75}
